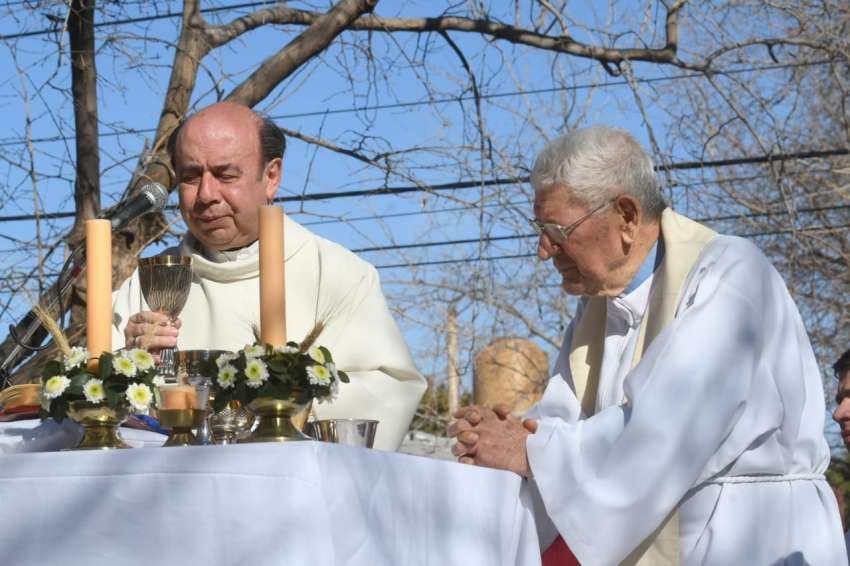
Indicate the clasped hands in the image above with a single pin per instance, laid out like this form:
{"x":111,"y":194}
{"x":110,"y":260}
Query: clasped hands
{"x":492,"y":437}
{"x":151,"y":331}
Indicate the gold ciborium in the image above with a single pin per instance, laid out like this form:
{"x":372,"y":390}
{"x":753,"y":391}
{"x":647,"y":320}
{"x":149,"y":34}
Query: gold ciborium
{"x":275,"y":418}
{"x":100,"y":425}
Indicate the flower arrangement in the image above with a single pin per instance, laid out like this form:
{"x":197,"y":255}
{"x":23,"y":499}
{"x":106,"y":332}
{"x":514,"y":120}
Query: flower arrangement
{"x":291,"y":371}
{"x":125,"y":378}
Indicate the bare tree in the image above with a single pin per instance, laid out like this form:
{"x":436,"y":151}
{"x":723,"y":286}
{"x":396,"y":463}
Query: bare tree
{"x":754,"y":85}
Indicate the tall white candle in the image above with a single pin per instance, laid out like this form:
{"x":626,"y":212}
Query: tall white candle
{"x":272,"y":279}
{"x":98,"y":288}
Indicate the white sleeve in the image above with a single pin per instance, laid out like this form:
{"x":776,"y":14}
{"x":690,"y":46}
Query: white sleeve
{"x":609,"y":481}
{"x":366,"y":342}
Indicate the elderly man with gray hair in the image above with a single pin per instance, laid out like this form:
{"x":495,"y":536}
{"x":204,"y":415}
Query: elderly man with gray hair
{"x":684,"y":420}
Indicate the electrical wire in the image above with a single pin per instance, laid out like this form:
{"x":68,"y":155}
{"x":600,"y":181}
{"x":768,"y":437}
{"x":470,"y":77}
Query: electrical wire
{"x":460,"y":185}
{"x":445,"y":100}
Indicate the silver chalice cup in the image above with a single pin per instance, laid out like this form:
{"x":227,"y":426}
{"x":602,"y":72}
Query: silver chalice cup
{"x":165,"y":281}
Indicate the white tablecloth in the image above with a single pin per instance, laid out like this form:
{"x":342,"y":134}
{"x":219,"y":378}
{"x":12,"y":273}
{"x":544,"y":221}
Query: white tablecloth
{"x":306,"y":503}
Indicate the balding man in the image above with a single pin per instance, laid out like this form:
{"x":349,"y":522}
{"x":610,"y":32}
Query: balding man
{"x":228,"y":162}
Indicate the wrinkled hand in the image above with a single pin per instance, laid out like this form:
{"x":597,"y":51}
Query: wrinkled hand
{"x":151,"y":331}
{"x":492,"y":437}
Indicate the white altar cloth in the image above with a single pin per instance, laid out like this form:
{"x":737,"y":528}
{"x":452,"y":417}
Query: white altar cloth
{"x":306,"y":503}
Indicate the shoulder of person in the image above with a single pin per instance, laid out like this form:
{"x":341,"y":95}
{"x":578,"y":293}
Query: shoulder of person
{"x":734,"y":263}
{"x":336,"y":260}
{"x":728,"y":252}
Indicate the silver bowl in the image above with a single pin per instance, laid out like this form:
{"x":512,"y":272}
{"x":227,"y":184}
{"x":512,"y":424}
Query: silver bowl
{"x":352,"y":432}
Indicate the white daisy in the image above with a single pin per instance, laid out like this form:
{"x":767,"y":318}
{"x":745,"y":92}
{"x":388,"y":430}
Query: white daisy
{"x":316,"y":353}
{"x":76,"y":357}
{"x":93,"y":390}
{"x":255,"y":351}
{"x":286,"y":350}
{"x":226,"y":376}
{"x":158,"y":380}
{"x":139,"y":395}
{"x":256,"y":373}
{"x":225,"y":359}
{"x":142,"y":359}
{"x":319,"y":375}
{"x":55,"y":386}
{"x":124,"y":366}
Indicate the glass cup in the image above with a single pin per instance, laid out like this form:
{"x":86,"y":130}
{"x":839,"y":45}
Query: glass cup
{"x":182,"y":408}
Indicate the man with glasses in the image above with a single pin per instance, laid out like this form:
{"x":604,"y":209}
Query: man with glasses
{"x":684,"y":421}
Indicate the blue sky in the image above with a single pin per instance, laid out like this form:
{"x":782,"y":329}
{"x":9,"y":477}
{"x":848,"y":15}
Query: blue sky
{"x":338,"y":97}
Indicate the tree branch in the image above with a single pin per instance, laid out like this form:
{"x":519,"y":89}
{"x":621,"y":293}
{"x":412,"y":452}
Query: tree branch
{"x":512,"y":34}
{"x":313,"y":40}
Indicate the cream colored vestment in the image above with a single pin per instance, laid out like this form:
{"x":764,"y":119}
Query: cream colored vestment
{"x":323,"y":281}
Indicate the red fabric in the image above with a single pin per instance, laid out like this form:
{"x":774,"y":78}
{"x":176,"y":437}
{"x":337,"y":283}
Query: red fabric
{"x":19,"y":412}
{"x":559,"y":554}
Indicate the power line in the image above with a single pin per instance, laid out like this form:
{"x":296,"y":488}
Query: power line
{"x":421,"y":212}
{"x":822,"y":228}
{"x":812,"y":154}
{"x":534,"y":235}
{"x":445,"y":100}
{"x":460,"y":185}
{"x":527,"y":255}
{"x":143,"y":19}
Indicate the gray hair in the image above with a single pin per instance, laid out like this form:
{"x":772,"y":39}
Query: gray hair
{"x":596,"y":164}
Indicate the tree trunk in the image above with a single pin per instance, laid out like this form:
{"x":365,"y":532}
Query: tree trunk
{"x":451,"y":353}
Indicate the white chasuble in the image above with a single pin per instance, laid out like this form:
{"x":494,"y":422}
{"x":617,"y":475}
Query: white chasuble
{"x":715,"y":434}
{"x":324,"y":281}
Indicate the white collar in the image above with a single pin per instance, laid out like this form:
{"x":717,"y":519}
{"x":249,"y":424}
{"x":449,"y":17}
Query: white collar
{"x":243,"y":263}
{"x":631,"y":307}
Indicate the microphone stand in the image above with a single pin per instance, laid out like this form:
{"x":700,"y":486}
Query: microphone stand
{"x":29,"y":333}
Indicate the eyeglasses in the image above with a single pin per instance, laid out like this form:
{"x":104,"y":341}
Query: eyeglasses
{"x":558,"y":233}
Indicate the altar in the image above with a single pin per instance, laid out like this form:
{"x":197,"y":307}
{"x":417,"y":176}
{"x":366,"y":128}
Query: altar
{"x":255,"y":504}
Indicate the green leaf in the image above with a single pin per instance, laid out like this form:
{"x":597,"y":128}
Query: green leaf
{"x":104,"y":366}
{"x":113,"y":395}
{"x":51,"y":368}
{"x":343,"y":377}
{"x":277,"y":366}
{"x":58,"y":409}
{"x":327,"y":353}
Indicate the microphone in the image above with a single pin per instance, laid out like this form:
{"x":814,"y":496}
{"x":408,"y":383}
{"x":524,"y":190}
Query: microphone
{"x":151,"y":198}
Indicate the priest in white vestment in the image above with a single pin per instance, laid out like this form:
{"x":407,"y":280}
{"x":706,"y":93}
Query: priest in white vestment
{"x":228,"y":162}
{"x":684,"y":420}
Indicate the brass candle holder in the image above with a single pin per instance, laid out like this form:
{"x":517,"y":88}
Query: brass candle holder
{"x":100,"y":425}
{"x":181,"y":422}
{"x":182,"y":408}
{"x":276,"y":418}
